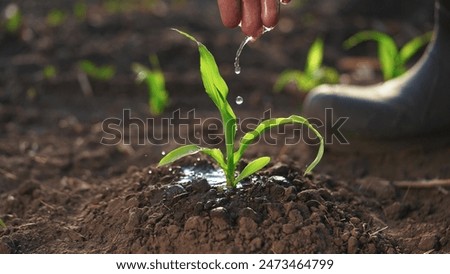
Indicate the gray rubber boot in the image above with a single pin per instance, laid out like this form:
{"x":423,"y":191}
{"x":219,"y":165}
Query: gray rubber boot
{"x":415,"y":104}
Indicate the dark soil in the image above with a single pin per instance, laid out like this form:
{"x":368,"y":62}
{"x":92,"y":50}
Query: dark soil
{"x":63,"y":191}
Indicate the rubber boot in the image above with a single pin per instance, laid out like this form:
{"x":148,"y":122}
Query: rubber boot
{"x":415,"y":104}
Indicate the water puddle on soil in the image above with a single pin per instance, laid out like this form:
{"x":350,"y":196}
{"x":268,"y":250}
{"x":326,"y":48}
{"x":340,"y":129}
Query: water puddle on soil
{"x":215,"y":177}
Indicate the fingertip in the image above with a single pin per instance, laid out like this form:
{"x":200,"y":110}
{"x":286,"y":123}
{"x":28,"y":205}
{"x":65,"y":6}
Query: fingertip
{"x":270,"y":12}
{"x":230,"y":12}
{"x":252,"y":24}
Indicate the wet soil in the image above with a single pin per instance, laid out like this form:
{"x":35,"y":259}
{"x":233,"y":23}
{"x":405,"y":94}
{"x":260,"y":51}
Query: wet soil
{"x":66,"y":186}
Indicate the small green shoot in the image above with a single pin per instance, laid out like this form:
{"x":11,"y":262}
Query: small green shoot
{"x":314,"y":74}
{"x":13,"y":18}
{"x":101,"y":73}
{"x":217,"y":89}
{"x":49,"y":72}
{"x":80,"y":11}
{"x":158,"y":97}
{"x":56,"y":17}
{"x":2,"y":224}
{"x":392,"y":59}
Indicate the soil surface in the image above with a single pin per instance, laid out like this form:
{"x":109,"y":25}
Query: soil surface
{"x":67,"y":186}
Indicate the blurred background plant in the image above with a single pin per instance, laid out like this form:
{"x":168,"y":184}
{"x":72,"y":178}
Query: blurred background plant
{"x":101,"y":73}
{"x":314,"y":73}
{"x":12,"y":18}
{"x":56,"y":17}
{"x":393,"y":60}
{"x":158,"y":97}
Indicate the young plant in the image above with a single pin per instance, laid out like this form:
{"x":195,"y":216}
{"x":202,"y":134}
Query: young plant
{"x":102,"y":73}
{"x":217,"y":90}
{"x":392,"y":59}
{"x":56,"y":17}
{"x":158,"y":97}
{"x":80,"y":11}
{"x":49,"y":72}
{"x":13,"y":18}
{"x":314,"y":74}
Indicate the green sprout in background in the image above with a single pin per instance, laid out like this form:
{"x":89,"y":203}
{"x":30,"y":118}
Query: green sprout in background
{"x":314,"y":74}
{"x":392,"y":59}
{"x":2,"y":224}
{"x":217,"y":89}
{"x":56,"y":17}
{"x":49,"y":72}
{"x":101,"y":73}
{"x":80,"y":10}
{"x":13,"y":17}
{"x":158,"y":97}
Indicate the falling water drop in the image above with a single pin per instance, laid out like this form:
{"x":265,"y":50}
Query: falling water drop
{"x":239,"y":100}
{"x":237,"y":67}
{"x":163,"y":153}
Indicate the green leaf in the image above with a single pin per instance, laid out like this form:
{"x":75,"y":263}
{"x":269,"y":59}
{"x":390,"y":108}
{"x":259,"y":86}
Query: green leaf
{"x":315,"y":57}
{"x":102,"y":73}
{"x":179,"y":153}
{"x":2,"y":224}
{"x":387,"y":50}
{"x":217,"y":155}
{"x":252,"y":167}
{"x":14,"y":20}
{"x":330,"y":76}
{"x":56,"y":17}
{"x":252,"y":136}
{"x":286,"y":77}
{"x":187,"y":150}
{"x":411,"y":48}
{"x":158,"y":97}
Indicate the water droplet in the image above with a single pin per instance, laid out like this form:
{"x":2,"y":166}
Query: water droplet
{"x":170,"y":169}
{"x":239,"y":100}
{"x":198,"y":159}
{"x":150,"y":172}
{"x":266,"y":29}
{"x":163,"y":153}
{"x":237,"y":67}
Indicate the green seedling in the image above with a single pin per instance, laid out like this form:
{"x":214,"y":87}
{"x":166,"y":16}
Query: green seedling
{"x":13,"y":18}
{"x":158,"y":97}
{"x":49,"y":72}
{"x":80,"y":10}
{"x":2,"y":224}
{"x":392,"y":59}
{"x":217,"y":89}
{"x":56,"y":17}
{"x":101,"y":73}
{"x":314,"y":74}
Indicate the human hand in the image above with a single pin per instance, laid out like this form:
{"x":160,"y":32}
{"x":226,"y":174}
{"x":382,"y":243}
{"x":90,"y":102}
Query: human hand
{"x":253,"y":15}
